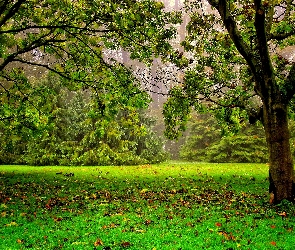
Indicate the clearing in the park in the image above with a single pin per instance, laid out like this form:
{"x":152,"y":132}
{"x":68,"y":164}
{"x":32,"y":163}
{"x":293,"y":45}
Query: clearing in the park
{"x":167,"y":206}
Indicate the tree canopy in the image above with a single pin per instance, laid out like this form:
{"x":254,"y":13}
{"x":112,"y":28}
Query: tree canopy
{"x":70,"y":38}
{"x":225,"y":40}
{"x":240,"y":74}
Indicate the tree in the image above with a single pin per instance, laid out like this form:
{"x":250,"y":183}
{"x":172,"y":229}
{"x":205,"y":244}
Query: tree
{"x":74,"y":39}
{"x":240,"y":74}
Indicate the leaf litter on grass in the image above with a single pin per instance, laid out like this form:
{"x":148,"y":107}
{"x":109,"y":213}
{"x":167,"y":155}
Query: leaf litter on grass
{"x":162,"y":207}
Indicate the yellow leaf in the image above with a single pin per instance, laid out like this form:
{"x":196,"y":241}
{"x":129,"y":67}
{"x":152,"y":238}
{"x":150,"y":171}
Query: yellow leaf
{"x":144,"y":190}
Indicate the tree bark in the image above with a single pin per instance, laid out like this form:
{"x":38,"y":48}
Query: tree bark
{"x":275,"y":119}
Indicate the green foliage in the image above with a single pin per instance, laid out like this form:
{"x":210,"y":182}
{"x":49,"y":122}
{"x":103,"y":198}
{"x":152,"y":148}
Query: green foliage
{"x":239,"y":148}
{"x":23,"y":118}
{"x":179,"y":205}
{"x":83,"y":128}
{"x":89,"y":114}
{"x":150,"y":147}
{"x":205,"y":143}
{"x":176,"y":113}
{"x":203,"y":133}
{"x":74,"y":40}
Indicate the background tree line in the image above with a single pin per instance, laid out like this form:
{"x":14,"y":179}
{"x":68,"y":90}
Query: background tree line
{"x":78,"y":131}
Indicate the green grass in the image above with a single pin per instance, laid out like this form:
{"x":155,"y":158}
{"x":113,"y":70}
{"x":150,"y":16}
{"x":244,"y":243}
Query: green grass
{"x":167,"y":206}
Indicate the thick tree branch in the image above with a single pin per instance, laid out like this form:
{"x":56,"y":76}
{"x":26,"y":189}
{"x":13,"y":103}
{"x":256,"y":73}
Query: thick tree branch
{"x":266,"y":78}
{"x":11,"y":12}
{"x":3,"y":6}
{"x":223,"y":8}
{"x":281,"y":36}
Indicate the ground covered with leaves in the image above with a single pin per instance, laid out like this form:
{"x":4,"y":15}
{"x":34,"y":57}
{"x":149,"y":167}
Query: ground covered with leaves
{"x":167,"y":206}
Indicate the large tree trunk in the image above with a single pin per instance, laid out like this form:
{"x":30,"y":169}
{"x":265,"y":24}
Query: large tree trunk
{"x":275,"y":102}
{"x":280,"y":159}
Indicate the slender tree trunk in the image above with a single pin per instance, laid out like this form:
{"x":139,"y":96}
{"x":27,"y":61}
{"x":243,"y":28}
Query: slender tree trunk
{"x":281,"y":165}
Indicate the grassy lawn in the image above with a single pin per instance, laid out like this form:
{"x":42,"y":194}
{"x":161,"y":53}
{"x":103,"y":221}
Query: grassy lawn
{"x":167,"y":206}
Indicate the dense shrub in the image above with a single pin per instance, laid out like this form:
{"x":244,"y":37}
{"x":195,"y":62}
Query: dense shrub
{"x":238,"y":148}
{"x":204,"y":143}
